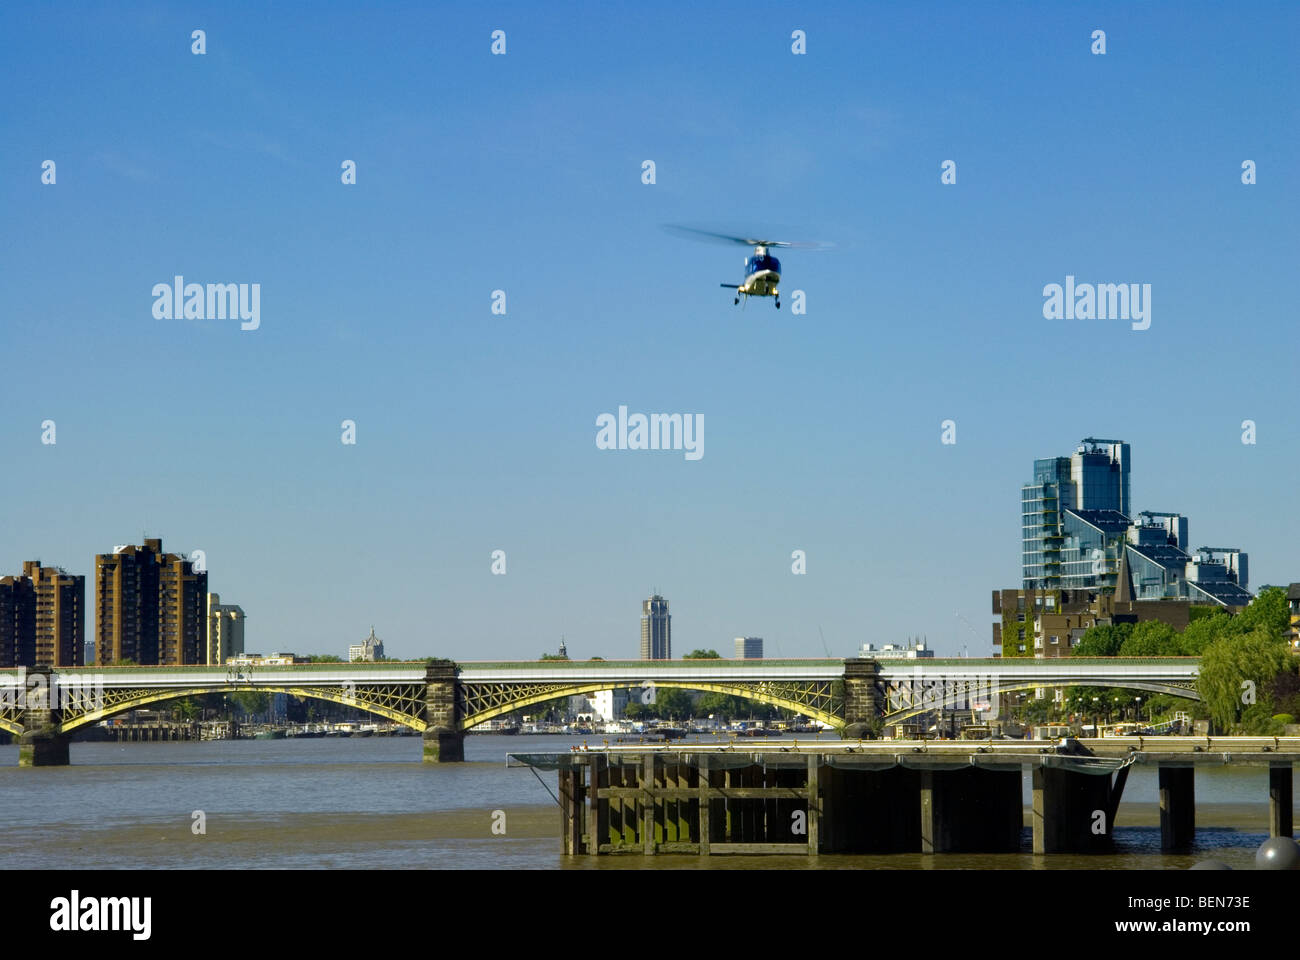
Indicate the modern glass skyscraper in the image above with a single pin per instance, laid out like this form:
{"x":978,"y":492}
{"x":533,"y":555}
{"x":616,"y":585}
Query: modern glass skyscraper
{"x":1041,"y":503}
{"x":1095,"y":478}
{"x":1100,"y":471}
{"x":656,"y":629}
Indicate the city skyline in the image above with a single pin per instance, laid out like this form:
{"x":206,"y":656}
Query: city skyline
{"x":1098,"y":477}
{"x":476,"y":432}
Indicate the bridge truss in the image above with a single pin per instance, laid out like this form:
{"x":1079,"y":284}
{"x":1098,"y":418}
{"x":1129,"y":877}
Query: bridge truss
{"x":485,"y":691}
{"x":813,"y":698}
{"x":904,"y":699}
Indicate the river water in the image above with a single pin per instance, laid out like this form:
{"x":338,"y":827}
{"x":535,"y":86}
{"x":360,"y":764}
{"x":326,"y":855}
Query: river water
{"x":371,"y":803}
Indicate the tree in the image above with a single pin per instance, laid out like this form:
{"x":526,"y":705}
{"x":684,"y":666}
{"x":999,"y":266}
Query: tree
{"x":1268,"y":610}
{"x":1239,"y":671}
{"x":1152,"y":638}
{"x":1102,"y":641}
{"x":1097,"y":702}
{"x":185,"y":709}
{"x":670,"y":703}
{"x":1037,"y":711}
{"x":1285,"y":693}
{"x":552,"y":656}
{"x":1203,"y":631}
{"x":550,"y":710}
{"x":725,"y":706}
{"x":321,"y":658}
{"x":251,"y":702}
{"x":702,"y":655}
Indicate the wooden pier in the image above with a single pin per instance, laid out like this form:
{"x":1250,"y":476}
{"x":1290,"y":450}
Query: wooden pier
{"x":154,"y":731}
{"x":927,"y":796}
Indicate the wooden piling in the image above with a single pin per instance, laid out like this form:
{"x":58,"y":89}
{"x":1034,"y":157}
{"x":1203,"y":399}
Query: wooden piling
{"x":1280,"y":800}
{"x":814,"y":804}
{"x":1177,"y":806}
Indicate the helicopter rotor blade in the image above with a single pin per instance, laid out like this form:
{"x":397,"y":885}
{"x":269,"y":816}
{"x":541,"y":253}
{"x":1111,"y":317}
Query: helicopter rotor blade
{"x":697,"y":234}
{"x":694,"y":234}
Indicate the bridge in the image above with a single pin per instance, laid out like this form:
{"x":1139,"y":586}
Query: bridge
{"x":442,"y":699}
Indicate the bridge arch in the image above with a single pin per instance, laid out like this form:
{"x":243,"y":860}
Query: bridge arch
{"x":951,"y":697}
{"x":384,"y":700}
{"x":487,"y":701}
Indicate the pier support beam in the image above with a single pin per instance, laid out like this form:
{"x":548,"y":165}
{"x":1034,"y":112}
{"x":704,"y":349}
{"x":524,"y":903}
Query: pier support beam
{"x":862,"y":703}
{"x":870,"y":811}
{"x":598,"y":813}
{"x":444,"y":734}
{"x":647,"y":775}
{"x":704,"y":801}
{"x":1177,"y":806}
{"x":814,"y":805}
{"x":41,"y":744}
{"x":1280,"y":800}
{"x":572,"y":809}
{"x":970,"y":811}
{"x":42,"y":748}
{"x":1072,"y":811}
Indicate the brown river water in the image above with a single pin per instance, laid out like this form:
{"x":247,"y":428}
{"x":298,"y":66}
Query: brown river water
{"x":370,"y":803}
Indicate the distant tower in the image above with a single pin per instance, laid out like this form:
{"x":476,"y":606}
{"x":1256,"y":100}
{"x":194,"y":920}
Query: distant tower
{"x":656,"y":629}
{"x":368,"y":650}
{"x":564,"y":652}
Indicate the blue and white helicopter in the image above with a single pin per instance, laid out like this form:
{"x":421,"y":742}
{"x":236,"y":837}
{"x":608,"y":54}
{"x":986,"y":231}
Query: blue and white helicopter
{"x":762,"y":270}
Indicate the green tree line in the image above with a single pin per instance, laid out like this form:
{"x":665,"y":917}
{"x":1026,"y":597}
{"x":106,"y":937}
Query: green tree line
{"x":1249,"y":677}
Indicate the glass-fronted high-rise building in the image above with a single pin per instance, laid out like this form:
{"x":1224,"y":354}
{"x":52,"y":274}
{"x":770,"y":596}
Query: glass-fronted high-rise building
{"x":656,"y":629}
{"x":1093,"y":485}
{"x":1100,"y":472}
{"x":1041,"y":503}
{"x":1087,"y":560}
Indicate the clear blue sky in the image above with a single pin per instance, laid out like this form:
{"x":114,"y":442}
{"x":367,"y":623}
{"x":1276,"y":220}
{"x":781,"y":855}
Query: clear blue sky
{"x":523,"y":172}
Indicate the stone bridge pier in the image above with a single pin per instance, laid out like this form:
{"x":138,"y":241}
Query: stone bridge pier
{"x":444,"y":735}
{"x":863,"y":704}
{"x":41,"y":744}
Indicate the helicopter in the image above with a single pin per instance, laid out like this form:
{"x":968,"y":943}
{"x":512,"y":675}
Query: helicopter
{"x":762,"y":270}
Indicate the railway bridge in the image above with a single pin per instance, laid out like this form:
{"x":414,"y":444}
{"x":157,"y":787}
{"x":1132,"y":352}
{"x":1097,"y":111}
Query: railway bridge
{"x":442,"y":698}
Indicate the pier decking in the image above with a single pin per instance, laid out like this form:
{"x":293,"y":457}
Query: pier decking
{"x":885,"y":796}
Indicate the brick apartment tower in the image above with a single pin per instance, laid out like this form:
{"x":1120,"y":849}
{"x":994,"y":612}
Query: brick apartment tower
{"x":17,"y":622}
{"x":42,"y":618}
{"x":150,"y":607}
